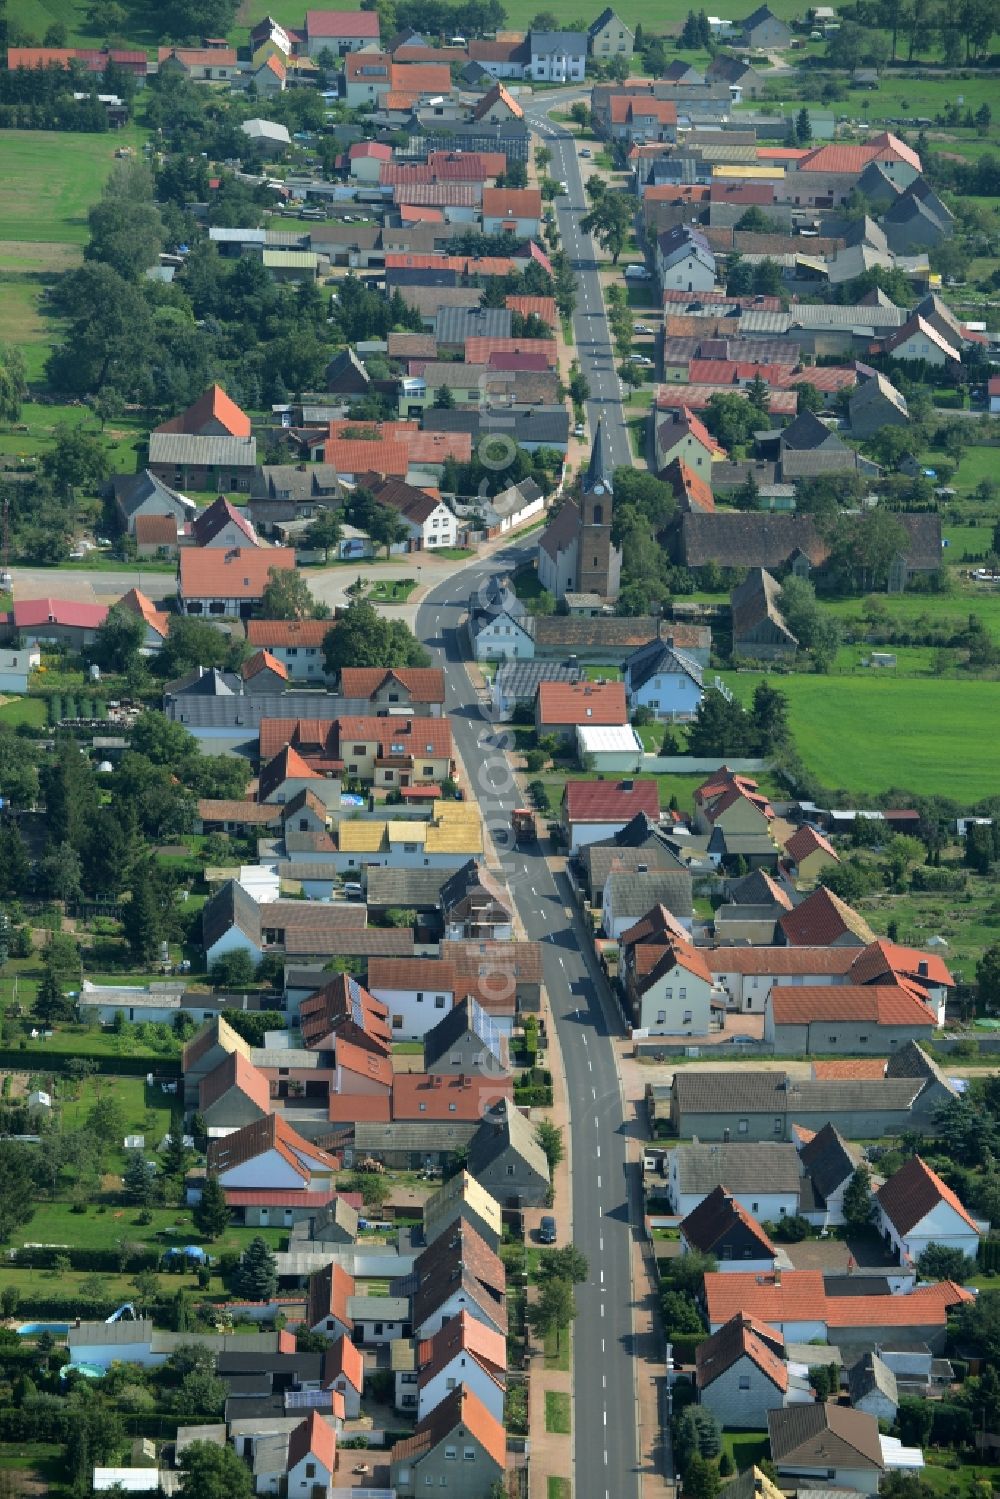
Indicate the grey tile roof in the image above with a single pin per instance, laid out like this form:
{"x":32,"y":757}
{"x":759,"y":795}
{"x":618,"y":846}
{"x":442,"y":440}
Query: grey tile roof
{"x":208,"y":452}
{"x":239,"y":713}
{"x":635,"y":894}
{"x":537,"y":424}
{"x":416,"y":889}
{"x":738,"y":1168}
{"x":660,"y":657}
{"x":742,"y":1092}
{"x":555,"y":43}
{"x":826,"y":1436}
{"x":505,"y":1126}
{"x":465,"y":1016}
{"x":829,"y":1160}
{"x":417,"y":1138}
{"x":453,"y":325}
{"x":871,"y":1374}
{"x":600,"y":859}
{"x":847,"y":1095}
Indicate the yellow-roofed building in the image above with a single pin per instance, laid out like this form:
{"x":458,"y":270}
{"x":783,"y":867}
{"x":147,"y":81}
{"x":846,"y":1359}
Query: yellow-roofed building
{"x":361,"y":837}
{"x":458,"y":837}
{"x":453,"y":809}
{"x":749,"y":174}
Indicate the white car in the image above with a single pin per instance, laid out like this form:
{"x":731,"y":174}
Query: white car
{"x":637,"y":273}
{"x":579,"y":430}
{"x":641,"y":328}
{"x":562,"y":190}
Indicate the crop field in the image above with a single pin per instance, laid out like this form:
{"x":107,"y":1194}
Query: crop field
{"x":865,"y":734}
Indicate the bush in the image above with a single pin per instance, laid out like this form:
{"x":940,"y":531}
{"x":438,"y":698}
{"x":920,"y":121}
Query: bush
{"x":534,"y":760}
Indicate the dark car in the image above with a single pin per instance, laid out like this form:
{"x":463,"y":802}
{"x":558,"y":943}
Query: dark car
{"x":547,"y":1230}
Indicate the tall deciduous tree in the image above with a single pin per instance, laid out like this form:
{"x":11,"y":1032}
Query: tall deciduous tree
{"x":212,"y":1472}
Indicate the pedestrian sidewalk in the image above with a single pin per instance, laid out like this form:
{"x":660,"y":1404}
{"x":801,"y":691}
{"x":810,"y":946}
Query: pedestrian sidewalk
{"x":552,"y":1452}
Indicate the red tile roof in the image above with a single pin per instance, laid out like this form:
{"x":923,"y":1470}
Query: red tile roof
{"x":425,"y":684}
{"x":879,"y":1004}
{"x":852,"y":1068}
{"x":569,"y":703}
{"x":688,"y":486}
{"x":422,"y":1095}
{"x":349,"y":456}
{"x":459,"y":1412}
{"x":263,"y":661}
{"x":273,"y":1132}
{"x":272,"y":633}
{"x":887,"y":960}
{"x":344,"y":1006}
{"x":344,"y":1358}
{"x":782,"y":962}
{"x":741,"y":1337}
{"x":213,"y":405}
{"x":540,"y":307}
{"x":365,"y":1062}
{"x":795,"y":1296}
{"x":805,"y":841}
{"x":821,"y":919}
{"x":31,"y":613}
{"x":927,"y":1306}
{"x":328,"y":1294}
{"x":480,"y":350}
{"x":854,"y":159}
{"x":606,"y":801}
{"x":372,"y":149}
{"x":241,"y":573}
{"x":360,"y":25}
{"x":913,"y":1192}
{"x":463,"y":1335}
{"x":314,"y":1438}
{"x":155,"y":530}
{"x":235,"y":1071}
{"x":156,"y":619}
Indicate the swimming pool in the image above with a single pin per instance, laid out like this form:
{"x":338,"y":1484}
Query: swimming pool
{"x":32,"y":1329}
{"x":89,"y":1371}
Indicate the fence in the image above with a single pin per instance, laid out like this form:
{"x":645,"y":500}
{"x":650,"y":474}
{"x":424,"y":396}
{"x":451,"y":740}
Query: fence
{"x":690,"y":765}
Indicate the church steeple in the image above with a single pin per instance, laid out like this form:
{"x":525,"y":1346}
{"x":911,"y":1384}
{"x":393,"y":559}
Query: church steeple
{"x":600,"y":468}
{"x":598,"y":560}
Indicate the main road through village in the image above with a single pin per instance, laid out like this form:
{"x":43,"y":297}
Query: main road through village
{"x":604,"y":1370}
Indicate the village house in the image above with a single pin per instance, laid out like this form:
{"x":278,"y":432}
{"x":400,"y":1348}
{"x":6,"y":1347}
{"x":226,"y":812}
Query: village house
{"x":557,"y":57}
{"x":339,"y":31}
{"x":466,"y":1041}
{"x":207,"y":446}
{"x":145,"y":496}
{"x":848,"y":1019}
{"x":296,"y":643}
{"x":732,"y":803}
{"x":684,"y":436}
{"x":343,"y":1010}
{"x":395,"y":691}
{"x":664,"y":679}
{"x":592,"y":810}
{"x":562,"y":707}
{"x":475,"y":905}
{"x":499,"y":625}
{"x":808,"y":854}
{"x":461,"y":1199}
{"x":763,"y":1179}
{"x":668,"y":985}
{"x":385,"y":752}
{"x":760,"y":631}
{"x":872,"y":1388}
{"x":741,"y":1374}
{"x":608,"y":36}
{"x":827,"y":1443}
{"x":506,"y":1159}
{"x":915,"y":1209}
{"x":457,"y":1272}
{"x":464,"y":1352}
{"x":721,"y":1227}
{"x":629,"y":895}
{"x":460,"y":1445}
{"x":234,"y":1093}
{"x":830,"y":1163}
{"x":35,"y":622}
{"x":228,"y":584}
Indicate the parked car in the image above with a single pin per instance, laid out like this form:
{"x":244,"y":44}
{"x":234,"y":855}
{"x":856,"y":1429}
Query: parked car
{"x":579,"y":430}
{"x":585,"y":153}
{"x":547,"y":1230}
{"x":637,"y":273}
{"x":641,"y":328}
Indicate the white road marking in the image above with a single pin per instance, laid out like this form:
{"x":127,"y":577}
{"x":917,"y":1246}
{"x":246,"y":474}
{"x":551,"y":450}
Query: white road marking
{"x":602,"y":1308}
{"x":585,"y":1037}
{"x":590,"y":1065}
{"x":601,"y":1242}
{"x":602,"y":1345}
{"x":593,"y":1093}
{"x":602,"y":1277}
{"x":598,"y":1181}
{"x":605,"y":1418}
{"x":598,"y":1148}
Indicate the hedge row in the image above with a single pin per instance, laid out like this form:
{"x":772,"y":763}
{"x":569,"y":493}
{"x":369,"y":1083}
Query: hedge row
{"x":68,"y":1309}
{"x":27,"y":1058}
{"x":107,"y":1260}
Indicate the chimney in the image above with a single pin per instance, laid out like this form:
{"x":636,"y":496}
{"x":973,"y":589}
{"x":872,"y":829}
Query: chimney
{"x":777,"y":1275}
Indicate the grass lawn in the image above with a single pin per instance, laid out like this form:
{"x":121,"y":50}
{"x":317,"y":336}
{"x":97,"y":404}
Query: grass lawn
{"x":102,"y":1225}
{"x":557,"y":1412}
{"x":50,"y":177}
{"x":964,"y":1478}
{"x":969,"y":920}
{"x":31,"y":710}
{"x":558,"y":1488}
{"x":388,"y":592}
{"x":557,"y":1358}
{"x":454,"y":554}
{"x":865,"y":734}
{"x":745,"y":1447}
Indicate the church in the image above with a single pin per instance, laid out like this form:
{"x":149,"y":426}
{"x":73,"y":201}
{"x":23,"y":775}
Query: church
{"x":575,"y":551}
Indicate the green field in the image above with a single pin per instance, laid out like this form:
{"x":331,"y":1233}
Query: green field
{"x":50,"y":178}
{"x":557,"y":1412}
{"x":866,"y":734}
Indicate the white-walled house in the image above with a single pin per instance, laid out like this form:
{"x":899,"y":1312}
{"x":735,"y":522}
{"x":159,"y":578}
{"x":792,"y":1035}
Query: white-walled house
{"x":915,"y":1209}
{"x":827,"y":1445}
{"x":312,"y":1458}
{"x":741,"y":1374}
{"x":664,"y":680}
{"x":464,"y":1352}
{"x":763,"y":1178}
{"x":670,"y":989}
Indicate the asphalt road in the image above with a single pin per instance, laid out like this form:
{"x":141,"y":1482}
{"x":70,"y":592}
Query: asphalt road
{"x":594,"y":348}
{"x":604,"y":1421}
